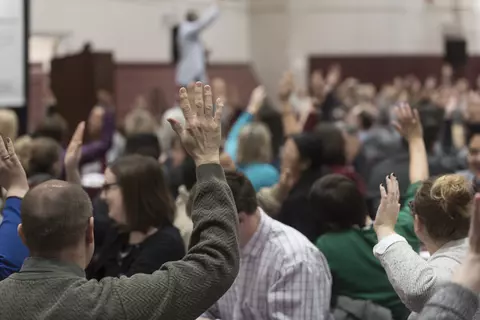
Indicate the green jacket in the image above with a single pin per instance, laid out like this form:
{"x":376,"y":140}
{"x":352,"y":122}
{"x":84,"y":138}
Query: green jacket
{"x":356,"y":272}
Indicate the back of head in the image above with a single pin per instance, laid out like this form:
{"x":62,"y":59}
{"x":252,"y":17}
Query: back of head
{"x":44,"y":156}
{"x":243,"y":193}
{"x":310,"y":148}
{"x":8,"y":124}
{"x":444,"y":206}
{"x":191,"y":16}
{"x":54,"y":127}
{"x":333,"y":144}
{"x":55,"y":216}
{"x":254,"y":144}
{"x":139,"y":121}
{"x":337,"y":203}
{"x":269,"y":116}
{"x":23,"y":149}
{"x":145,"y":144}
{"x":146,"y":198}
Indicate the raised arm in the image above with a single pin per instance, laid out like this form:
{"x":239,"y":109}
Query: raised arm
{"x":13,"y":178}
{"x":409,"y":126}
{"x":256,"y":101}
{"x":95,"y":150}
{"x":413,"y":278}
{"x":73,"y":155}
{"x":291,"y":125}
{"x":186,"y":288}
{"x":207,"y":18}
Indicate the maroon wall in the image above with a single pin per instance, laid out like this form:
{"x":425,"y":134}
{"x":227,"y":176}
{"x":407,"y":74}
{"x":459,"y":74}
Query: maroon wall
{"x":382,"y":69}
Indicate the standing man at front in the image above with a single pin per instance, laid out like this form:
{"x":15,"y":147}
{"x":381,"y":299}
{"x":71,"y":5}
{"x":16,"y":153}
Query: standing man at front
{"x":191,"y":66}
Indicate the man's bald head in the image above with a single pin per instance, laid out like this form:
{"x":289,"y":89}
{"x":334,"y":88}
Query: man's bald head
{"x":55,"y":216}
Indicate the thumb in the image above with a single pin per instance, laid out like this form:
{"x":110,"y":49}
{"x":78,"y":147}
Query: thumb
{"x":176,"y":126}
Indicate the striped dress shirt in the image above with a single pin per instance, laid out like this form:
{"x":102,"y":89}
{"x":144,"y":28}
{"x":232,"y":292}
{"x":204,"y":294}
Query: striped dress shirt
{"x":282,"y":277}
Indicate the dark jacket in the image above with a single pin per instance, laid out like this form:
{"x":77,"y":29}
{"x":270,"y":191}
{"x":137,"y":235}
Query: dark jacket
{"x":400,"y":165}
{"x":116,"y":257}
{"x":181,"y":290}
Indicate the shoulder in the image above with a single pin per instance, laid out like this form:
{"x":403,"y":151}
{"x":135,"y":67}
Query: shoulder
{"x":292,"y":248}
{"x":168,"y":238}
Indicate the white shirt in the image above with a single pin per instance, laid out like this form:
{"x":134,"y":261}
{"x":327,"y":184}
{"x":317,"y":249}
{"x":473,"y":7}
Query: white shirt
{"x":283,"y":276}
{"x":191,"y":66}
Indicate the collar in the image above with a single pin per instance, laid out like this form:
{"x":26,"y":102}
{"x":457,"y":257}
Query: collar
{"x":40,"y":268}
{"x":257,"y":241}
{"x":462,"y":243}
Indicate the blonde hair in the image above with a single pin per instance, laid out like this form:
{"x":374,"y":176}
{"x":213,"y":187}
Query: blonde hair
{"x":23,"y":149}
{"x":254,"y":144}
{"x":444,"y":205}
{"x":8,"y":123}
{"x":140,"y":120}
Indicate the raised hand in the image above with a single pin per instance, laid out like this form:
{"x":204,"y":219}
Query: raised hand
{"x":468,"y":275}
{"x":201,"y":137}
{"x":256,"y":100}
{"x":408,"y":122}
{"x":74,"y":154}
{"x":287,"y":86}
{"x":12,"y":175}
{"x":389,"y":208}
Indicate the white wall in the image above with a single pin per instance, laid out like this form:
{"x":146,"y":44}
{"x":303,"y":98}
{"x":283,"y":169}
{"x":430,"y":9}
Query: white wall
{"x":139,"y":30}
{"x":352,"y":27}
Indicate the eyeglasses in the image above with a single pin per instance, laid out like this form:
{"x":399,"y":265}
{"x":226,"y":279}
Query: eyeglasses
{"x":108,"y":186}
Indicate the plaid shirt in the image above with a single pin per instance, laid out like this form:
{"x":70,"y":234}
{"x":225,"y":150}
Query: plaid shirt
{"x":282,"y":276}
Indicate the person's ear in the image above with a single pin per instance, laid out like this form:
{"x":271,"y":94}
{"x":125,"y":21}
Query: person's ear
{"x":418,"y":225}
{"x":21,"y":234}
{"x":90,"y":234}
{"x":241,"y":217}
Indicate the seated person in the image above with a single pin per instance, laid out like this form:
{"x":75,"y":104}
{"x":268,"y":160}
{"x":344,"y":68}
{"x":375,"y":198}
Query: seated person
{"x":348,"y":243}
{"x":142,"y":209}
{"x":254,"y":155}
{"x":282,"y":275}
{"x":45,"y":161}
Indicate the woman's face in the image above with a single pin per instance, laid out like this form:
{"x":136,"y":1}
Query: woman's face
{"x":290,"y":158}
{"x":112,"y":195}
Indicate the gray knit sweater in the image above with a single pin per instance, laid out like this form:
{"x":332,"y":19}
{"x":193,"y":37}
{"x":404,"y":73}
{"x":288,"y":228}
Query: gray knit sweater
{"x":416,"y":280}
{"x":451,"y":302}
{"x":183,"y":290}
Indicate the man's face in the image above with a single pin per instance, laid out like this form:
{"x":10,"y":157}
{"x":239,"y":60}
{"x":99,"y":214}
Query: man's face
{"x":474,"y":155}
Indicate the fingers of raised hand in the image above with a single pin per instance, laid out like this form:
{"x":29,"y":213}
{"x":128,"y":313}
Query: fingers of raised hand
{"x":218,"y":111}
{"x":187,"y":110}
{"x":176,"y":126}
{"x":77,"y":137}
{"x":4,"y":155}
{"x":208,"y":102}
{"x":199,"y":105}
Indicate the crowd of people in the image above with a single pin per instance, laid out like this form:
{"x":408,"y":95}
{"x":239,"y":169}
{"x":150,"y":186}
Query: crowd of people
{"x":342,"y":202}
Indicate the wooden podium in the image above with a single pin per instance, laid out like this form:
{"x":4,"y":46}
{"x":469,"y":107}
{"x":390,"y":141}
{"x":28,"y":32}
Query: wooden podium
{"x":75,"y":81}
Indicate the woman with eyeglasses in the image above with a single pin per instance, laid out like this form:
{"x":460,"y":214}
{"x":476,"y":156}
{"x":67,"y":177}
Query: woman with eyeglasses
{"x":142,"y":210}
{"x":441,"y":212}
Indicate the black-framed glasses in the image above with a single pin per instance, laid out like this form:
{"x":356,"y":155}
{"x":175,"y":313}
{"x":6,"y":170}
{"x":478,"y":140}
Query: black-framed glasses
{"x":108,"y":186}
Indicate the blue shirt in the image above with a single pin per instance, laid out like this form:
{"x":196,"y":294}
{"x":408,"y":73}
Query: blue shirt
{"x":12,"y":250}
{"x":261,"y":175}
